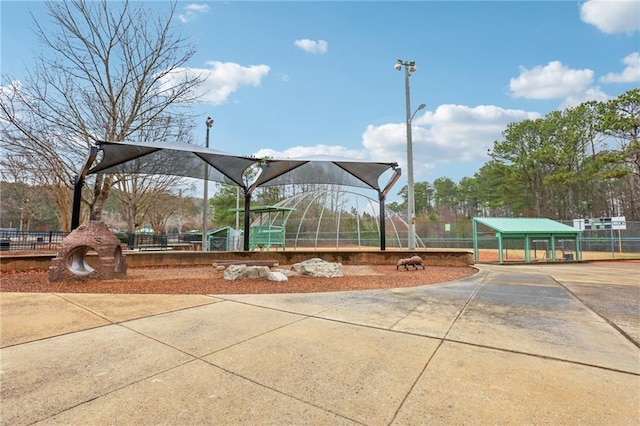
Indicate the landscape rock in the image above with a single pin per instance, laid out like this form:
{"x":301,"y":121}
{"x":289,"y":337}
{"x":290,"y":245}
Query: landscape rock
{"x":316,"y":267}
{"x":287,"y":272}
{"x":277,"y":276}
{"x":242,"y":272}
{"x":233,"y":272}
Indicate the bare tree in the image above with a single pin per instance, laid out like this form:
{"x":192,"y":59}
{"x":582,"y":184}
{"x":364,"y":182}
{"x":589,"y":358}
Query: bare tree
{"x":111,"y":71}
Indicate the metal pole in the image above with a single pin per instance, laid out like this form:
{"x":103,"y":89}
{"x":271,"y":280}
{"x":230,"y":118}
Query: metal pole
{"x":205,"y":210}
{"x":383,"y":230}
{"x":410,"y":194}
{"x":78,"y":183}
{"x":613,"y":252}
{"x":247,"y":223}
{"x":237,"y":243}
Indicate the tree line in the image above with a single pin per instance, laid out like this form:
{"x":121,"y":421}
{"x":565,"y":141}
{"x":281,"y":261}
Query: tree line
{"x":579,"y":162}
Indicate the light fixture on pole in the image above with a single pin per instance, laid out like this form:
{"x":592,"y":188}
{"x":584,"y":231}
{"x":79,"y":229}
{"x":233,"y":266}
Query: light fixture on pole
{"x":409,"y":68}
{"x":205,"y":210}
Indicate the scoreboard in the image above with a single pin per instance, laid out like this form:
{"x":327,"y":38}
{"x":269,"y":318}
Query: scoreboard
{"x":602,"y":223}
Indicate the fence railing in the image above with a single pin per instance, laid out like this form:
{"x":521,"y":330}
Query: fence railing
{"x":22,"y":240}
{"x":458,"y":235}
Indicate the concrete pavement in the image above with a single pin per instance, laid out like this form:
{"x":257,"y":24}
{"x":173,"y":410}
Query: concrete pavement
{"x":527,"y":344}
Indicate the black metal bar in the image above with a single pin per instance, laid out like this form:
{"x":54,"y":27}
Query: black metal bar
{"x":78,"y":183}
{"x":382,"y":195}
{"x":383,"y":230}
{"x":247,"y":220}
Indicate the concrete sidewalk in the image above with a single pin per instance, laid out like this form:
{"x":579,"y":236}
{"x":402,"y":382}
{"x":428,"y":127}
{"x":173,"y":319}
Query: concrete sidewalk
{"x":524,"y":344}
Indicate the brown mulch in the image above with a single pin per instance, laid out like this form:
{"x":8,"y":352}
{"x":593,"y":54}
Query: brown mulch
{"x":209,"y":280}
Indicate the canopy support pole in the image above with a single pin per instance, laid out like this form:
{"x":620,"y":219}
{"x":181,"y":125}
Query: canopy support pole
{"x":247,"y":220}
{"x":382,"y":195}
{"x":383,"y":230}
{"x":78,"y":183}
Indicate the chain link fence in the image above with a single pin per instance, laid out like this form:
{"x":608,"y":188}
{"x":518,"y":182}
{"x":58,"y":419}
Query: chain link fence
{"x":459,"y":235}
{"x":437,"y":235}
{"x":11,"y":239}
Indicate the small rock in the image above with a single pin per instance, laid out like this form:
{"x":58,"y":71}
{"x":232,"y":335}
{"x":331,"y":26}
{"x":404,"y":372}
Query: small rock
{"x":276,"y":276}
{"x":287,"y":272}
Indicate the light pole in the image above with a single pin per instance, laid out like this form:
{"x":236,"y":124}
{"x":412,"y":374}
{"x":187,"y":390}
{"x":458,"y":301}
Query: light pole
{"x":205,"y":210}
{"x":409,"y":68}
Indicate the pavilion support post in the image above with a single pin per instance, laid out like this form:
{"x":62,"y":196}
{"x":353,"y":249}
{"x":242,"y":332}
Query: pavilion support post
{"x":476,"y":246}
{"x":247,"y":220}
{"x":383,"y":231}
{"x":78,"y":183}
{"x":382,"y":195}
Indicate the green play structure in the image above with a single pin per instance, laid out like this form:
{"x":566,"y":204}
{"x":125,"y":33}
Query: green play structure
{"x":270,"y":230}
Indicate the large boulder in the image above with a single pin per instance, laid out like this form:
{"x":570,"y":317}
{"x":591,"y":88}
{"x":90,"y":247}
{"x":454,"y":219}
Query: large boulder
{"x":317,"y":267}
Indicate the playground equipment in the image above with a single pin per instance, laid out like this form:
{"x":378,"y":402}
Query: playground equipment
{"x":224,"y":239}
{"x":266,"y":233}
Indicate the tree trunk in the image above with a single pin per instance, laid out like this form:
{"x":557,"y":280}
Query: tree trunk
{"x":100,"y":193}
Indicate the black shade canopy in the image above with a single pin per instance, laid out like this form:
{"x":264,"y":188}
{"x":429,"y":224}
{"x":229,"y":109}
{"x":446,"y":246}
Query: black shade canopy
{"x":323,"y":171}
{"x":192,"y":160}
{"x":172,"y":159}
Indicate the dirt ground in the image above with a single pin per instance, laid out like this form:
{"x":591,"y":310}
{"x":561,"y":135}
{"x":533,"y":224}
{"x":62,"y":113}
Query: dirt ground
{"x":209,"y":280}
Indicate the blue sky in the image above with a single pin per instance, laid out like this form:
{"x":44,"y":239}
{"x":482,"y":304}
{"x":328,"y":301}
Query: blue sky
{"x":295,"y":78}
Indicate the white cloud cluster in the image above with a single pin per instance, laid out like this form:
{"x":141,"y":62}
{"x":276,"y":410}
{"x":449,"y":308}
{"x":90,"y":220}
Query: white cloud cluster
{"x":631,"y":73}
{"x":552,"y":81}
{"x":225,"y":78}
{"x":451,"y":134}
{"x":191,"y":11}
{"x":312,"y":46}
{"x":320,"y":150}
{"x":589,"y":94}
{"x":612,"y":16}
{"x":221,"y":80}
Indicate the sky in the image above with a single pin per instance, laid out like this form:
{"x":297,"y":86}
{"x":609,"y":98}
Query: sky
{"x":304,"y":78}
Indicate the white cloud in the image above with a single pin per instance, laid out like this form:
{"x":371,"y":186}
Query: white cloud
{"x":610,"y":17}
{"x":191,"y":11}
{"x":453,"y":134}
{"x":551,"y":81}
{"x":631,"y":73}
{"x":312,"y":46}
{"x":591,"y":94}
{"x":313,"y":151}
{"x":221,"y":80}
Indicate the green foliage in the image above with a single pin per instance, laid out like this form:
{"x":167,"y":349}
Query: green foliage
{"x":564,"y":165}
{"x":223,"y":205}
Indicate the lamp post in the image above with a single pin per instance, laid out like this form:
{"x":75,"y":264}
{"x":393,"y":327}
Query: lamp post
{"x":409,"y":68}
{"x":205,"y":210}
